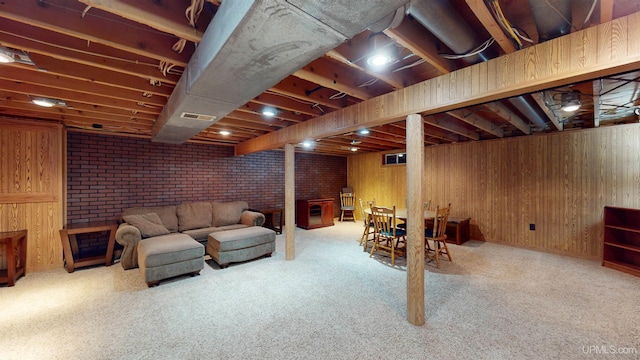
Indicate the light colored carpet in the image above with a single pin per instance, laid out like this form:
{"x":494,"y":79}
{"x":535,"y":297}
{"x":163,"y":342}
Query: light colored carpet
{"x":331,"y":302}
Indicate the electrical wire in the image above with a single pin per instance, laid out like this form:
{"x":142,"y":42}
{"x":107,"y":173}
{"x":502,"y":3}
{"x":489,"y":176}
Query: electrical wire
{"x":505,"y":23}
{"x":415,"y":63}
{"x":593,"y":6}
{"x":473,"y":52}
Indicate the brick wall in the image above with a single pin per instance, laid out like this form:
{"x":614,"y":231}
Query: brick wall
{"x":106,"y":174}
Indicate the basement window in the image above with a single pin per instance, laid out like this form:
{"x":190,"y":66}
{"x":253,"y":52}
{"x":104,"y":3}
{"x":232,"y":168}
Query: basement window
{"x":394,"y":159}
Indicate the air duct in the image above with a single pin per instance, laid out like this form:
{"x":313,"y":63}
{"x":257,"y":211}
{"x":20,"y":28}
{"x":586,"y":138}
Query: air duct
{"x":251,"y":45}
{"x":446,"y":24}
{"x":552,"y":18}
{"x":442,"y":19}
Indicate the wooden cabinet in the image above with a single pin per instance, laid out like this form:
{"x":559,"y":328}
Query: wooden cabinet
{"x":314,"y":213}
{"x":621,"y":249}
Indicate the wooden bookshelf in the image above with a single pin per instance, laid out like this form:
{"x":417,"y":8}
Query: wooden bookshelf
{"x":621,"y":243}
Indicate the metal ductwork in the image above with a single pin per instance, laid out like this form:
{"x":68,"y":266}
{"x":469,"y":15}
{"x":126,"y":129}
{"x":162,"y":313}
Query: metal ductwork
{"x":442,"y":19}
{"x":552,"y":18}
{"x":446,"y":24}
{"x":250,"y":46}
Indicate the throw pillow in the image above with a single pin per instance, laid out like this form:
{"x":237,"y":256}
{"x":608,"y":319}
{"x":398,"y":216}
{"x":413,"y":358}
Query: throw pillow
{"x":195,"y":215}
{"x":148,"y":224}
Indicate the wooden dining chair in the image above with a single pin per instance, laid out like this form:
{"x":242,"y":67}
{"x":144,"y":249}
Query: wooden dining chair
{"x":437,"y":235}
{"x":368,"y":222}
{"x":386,"y":235}
{"x":347,"y":206}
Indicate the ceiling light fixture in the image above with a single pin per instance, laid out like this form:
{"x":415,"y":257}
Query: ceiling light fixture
{"x":363,"y":131}
{"x":570,"y":101}
{"x":47,"y":102}
{"x":354,"y":149}
{"x":383,"y":52}
{"x":225,"y":132}
{"x":6,"y":56}
{"x":307,"y":144}
{"x":269,"y":112}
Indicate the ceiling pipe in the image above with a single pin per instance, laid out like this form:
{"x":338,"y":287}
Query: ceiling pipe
{"x":445,"y":23}
{"x":552,"y":18}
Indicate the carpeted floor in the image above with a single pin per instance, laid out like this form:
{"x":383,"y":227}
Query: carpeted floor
{"x":331,"y":302}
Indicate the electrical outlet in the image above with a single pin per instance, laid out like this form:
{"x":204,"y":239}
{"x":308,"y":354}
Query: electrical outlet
{"x":532,"y":227}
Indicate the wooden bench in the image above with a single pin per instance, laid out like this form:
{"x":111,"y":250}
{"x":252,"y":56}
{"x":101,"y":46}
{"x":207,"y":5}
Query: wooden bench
{"x":457,"y":229}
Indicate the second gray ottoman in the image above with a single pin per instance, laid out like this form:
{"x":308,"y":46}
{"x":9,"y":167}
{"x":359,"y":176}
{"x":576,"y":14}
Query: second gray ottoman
{"x":241,"y":244}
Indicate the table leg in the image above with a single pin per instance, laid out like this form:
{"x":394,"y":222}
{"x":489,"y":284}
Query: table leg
{"x":11,"y":262}
{"x":68,"y":254}
{"x":110,"y":246}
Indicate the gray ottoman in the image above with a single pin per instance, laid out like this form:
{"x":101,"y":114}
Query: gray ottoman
{"x":162,"y":257}
{"x":241,"y":244}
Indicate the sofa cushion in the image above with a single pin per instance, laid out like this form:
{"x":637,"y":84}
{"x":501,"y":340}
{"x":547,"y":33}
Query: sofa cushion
{"x":167,"y":215}
{"x":228,"y":213}
{"x":194,"y":215}
{"x":148,"y":224}
{"x":202,"y":233}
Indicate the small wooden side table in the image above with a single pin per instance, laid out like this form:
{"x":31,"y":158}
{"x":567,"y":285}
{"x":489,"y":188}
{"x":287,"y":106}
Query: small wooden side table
{"x":15,"y":264}
{"x":70,"y":244}
{"x":269,"y":221}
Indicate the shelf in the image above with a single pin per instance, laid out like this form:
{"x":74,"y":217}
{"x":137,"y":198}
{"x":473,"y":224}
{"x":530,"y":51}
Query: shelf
{"x":623,"y":246}
{"x":622,"y":228}
{"x":621,"y":241}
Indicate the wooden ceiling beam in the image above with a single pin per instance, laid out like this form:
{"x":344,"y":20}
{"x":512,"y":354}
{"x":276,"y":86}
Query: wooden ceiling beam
{"x":307,"y":92}
{"x":66,"y":95}
{"x":60,"y":46}
{"x":332,"y":76}
{"x":606,"y":10}
{"x":539,"y":98}
{"x":483,"y":14}
{"x":165,"y":16}
{"x":430,"y":133}
{"x":53,"y":81}
{"x":288,"y":116}
{"x":99,"y":76}
{"x":65,"y":17}
{"x":287,"y":103}
{"x":454,"y":128}
{"x":419,"y":41}
{"x":509,"y":116}
{"x":568,"y":59}
{"x":72,"y":111}
{"x":477,"y":121}
{"x":353,"y":53}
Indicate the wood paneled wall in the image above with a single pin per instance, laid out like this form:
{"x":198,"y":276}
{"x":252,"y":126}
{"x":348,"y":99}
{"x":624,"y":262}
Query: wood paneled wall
{"x":31,"y":197}
{"x":559,"y":182}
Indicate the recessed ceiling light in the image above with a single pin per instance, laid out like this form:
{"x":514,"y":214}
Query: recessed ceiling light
{"x":225,"y":132}
{"x":363,"y":131}
{"x":383,"y":51}
{"x":269,"y":112}
{"x":43,"y":102}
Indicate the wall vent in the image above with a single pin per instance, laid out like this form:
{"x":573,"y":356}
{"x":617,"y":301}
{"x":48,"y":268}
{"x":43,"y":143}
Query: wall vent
{"x":194,"y":116}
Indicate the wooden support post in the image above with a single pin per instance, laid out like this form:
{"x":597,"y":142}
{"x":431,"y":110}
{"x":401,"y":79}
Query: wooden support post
{"x":415,"y":219}
{"x":289,"y":201}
